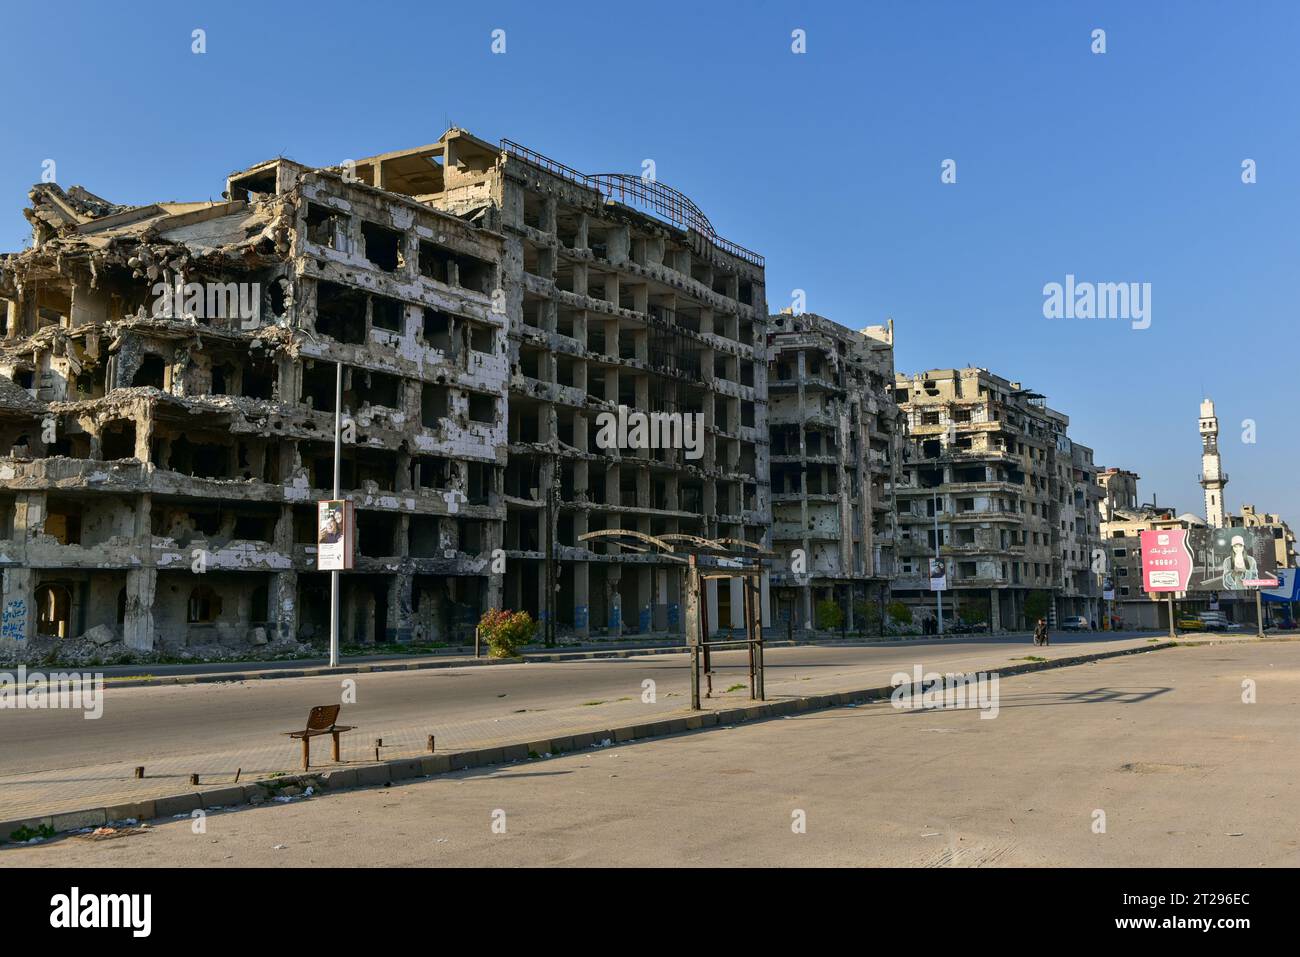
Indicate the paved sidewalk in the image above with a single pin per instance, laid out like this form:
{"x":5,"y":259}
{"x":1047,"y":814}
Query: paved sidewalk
{"x":75,"y":783}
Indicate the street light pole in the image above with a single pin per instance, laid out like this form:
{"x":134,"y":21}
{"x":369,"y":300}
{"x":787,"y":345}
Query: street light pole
{"x":938,"y":593}
{"x":334,"y":575}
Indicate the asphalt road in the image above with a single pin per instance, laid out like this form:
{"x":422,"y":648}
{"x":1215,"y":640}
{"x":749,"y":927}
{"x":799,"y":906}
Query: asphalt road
{"x":145,"y":724}
{"x":1184,"y":772}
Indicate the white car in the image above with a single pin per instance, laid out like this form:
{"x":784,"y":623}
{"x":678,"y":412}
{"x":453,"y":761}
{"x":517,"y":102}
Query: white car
{"x":1075,"y":623}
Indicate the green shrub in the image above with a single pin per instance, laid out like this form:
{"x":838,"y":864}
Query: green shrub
{"x":899,"y":613}
{"x":506,"y":631}
{"x":829,"y":615}
{"x":867,"y":615}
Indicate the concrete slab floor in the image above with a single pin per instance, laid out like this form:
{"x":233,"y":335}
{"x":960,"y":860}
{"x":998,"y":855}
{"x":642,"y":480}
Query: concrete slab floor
{"x":1186,"y":773}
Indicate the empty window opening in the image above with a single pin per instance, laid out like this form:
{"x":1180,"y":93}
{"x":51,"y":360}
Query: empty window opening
{"x":340,"y":313}
{"x":435,"y":263}
{"x":482,"y":408}
{"x":326,"y":227}
{"x":381,"y":389}
{"x":387,"y":313}
{"x":383,"y":246}
{"x":53,"y":610}
{"x":435,"y":404}
{"x":151,"y":372}
{"x":319,"y":383}
{"x":204,"y":606}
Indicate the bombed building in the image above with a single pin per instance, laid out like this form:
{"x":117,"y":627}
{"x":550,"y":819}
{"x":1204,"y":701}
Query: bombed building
{"x":168,"y":382}
{"x":167,"y":416}
{"x":992,"y":487}
{"x":835,"y":432}
{"x":619,"y":294}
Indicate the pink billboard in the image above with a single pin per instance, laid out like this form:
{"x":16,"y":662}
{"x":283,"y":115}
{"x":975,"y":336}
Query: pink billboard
{"x":1166,"y":560}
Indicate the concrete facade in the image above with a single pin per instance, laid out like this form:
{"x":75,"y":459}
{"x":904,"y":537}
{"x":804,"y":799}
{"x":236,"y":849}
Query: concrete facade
{"x":835,"y":439}
{"x":1015,"y":500}
{"x":173,"y":419}
{"x":167,"y":392}
{"x":618,"y":294}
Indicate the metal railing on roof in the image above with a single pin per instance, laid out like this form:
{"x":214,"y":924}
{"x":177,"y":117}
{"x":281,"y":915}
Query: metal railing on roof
{"x":668,"y":203}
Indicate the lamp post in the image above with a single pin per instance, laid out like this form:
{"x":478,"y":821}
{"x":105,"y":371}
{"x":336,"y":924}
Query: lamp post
{"x":938,"y":592}
{"x":334,"y":575}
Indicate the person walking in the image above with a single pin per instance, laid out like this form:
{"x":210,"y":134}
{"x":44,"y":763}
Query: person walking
{"x":1040,"y":632}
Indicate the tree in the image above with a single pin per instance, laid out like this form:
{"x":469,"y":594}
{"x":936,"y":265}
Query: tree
{"x":829,"y":615}
{"x":899,"y":613}
{"x":867,"y":614}
{"x":1036,"y":605}
{"x":973,"y":611}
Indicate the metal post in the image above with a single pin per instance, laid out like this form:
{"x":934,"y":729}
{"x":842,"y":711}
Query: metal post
{"x":1259,"y":614}
{"x":704,"y":638}
{"x":757,"y":604}
{"x":938,"y":595}
{"x":748,"y":604}
{"x":334,"y":575}
{"x":548,"y":634}
{"x":1172,"y":631}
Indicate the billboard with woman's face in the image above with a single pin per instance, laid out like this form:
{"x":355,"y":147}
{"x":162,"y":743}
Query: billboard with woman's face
{"x":1208,"y":559}
{"x":334,"y":535}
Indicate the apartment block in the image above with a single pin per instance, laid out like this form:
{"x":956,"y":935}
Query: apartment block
{"x":991,"y":484}
{"x":168,"y":377}
{"x":485,"y":304}
{"x":834,"y":447}
{"x":619,"y":294}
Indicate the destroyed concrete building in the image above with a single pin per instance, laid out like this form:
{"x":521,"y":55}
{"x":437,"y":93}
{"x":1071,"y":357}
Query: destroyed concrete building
{"x":1015,"y":498}
{"x":618,"y":293}
{"x":168,"y":417}
{"x":167,"y":395}
{"x":835,"y":434}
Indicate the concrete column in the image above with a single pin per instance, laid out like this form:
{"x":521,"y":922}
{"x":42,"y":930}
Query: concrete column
{"x":644,"y":599}
{"x":18,"y":612}
{"x":401,"y":617}
{"x":138,"y":632}
{"x":995,"y":611}
{"x":581,"y":572}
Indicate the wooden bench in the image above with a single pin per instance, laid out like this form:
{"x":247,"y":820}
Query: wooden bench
{"x":321,"y":721}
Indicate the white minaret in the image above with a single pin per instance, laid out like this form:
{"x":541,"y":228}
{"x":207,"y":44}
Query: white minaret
{"x":1213,"y":478}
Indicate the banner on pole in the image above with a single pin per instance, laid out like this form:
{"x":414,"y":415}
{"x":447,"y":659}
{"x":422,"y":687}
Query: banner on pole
{"x":334,"y":527}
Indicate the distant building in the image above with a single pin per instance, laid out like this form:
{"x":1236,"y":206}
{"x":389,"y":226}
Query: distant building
{"x":834,"y":442}
{"x":1014,"y":499}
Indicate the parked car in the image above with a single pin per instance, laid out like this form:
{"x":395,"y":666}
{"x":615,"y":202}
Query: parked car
{"x":1075,"y":623}
{"x":1217,"y":621}
{"x":1190,"y":623}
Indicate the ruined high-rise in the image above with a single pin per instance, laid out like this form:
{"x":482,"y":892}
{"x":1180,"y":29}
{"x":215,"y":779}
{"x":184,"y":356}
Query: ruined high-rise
{"x":835,"y":433}
{"x":167,"y":383}
{"x":1015,"y":500}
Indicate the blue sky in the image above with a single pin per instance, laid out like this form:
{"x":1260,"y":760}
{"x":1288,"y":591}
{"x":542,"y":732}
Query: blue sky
{"x":1118,"y":167}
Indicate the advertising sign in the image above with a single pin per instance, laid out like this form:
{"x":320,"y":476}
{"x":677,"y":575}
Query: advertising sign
{"x":938,"y":575}
{"x":1108,"y":589}
{"x":334,"y":522}
{"x":1287,"y":588}
{"x":1166,"y":560}
{"x":1232,"y":559}
{"x":1211,"y":560}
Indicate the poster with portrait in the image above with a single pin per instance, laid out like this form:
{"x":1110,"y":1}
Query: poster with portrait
{"x":1233,"y":559}
{"x":334,"y":521}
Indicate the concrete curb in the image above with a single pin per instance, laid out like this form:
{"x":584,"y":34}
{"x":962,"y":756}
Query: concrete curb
{"x":216,"y":677}
{"x":401,"y":769}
